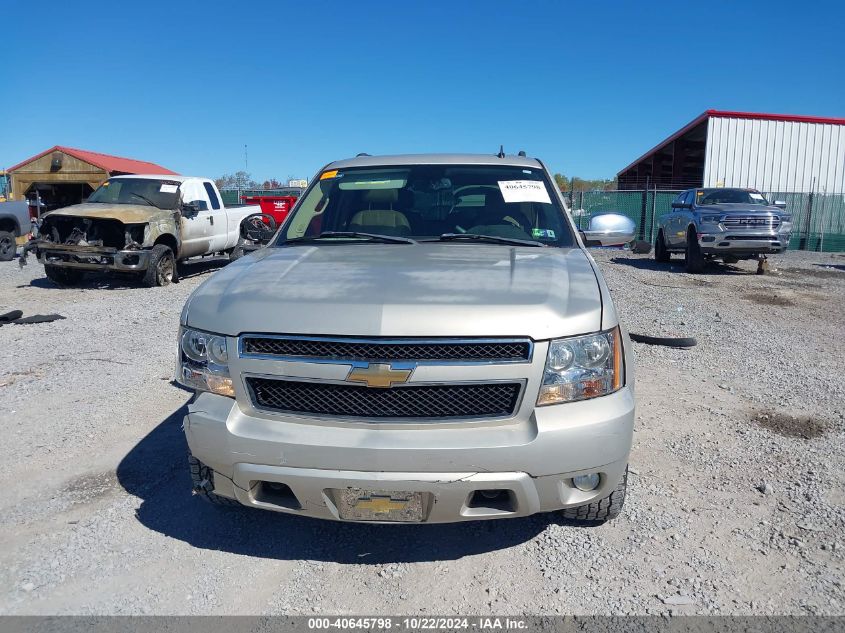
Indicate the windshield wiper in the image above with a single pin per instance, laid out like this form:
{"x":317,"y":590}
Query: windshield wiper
{"x":331,"y":235}
{"x":144,"y":198}
{"x":493,"y":239}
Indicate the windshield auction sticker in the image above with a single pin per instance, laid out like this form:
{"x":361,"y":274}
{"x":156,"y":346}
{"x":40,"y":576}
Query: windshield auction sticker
{"x":524,"y":191}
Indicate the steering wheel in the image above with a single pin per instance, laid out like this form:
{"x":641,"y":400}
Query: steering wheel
{"x":258,"y":226}
{"x":516,"y":218}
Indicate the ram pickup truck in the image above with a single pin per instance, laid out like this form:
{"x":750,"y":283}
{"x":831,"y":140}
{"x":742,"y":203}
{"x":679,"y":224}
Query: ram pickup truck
{"x":425,"y":339}
{"x":728,"y":224}
{"x":141,"y":225}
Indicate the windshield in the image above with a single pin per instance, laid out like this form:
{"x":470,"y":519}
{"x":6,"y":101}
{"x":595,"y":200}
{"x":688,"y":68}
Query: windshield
{"x":729,"y":196}
{"x":426,"y":201}
{"x":154,"y":192}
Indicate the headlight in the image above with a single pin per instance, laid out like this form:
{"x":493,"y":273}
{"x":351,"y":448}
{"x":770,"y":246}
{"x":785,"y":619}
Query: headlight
{"x":204,"y":362}
{"x":582,"y":367}
{"x":710,"y":219}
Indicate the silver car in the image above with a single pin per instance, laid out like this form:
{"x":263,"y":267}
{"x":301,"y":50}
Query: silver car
{"x":425,"y":339}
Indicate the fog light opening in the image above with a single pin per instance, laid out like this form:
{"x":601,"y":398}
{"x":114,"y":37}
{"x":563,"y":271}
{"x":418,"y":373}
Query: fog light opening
{"x":587,"y":482}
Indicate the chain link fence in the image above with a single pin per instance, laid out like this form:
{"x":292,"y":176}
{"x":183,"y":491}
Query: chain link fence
{"x":818,"y":219}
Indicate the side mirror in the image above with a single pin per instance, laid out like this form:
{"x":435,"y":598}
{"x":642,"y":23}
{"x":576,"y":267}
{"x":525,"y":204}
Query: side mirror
{"x":609,"y":229}
{"x":781,"y":204}
{"x":190,"y":208}
{"x":681,"y":205}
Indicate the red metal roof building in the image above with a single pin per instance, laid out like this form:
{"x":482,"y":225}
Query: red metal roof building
{"x":61,"y":176}
{"x":770,"y":152}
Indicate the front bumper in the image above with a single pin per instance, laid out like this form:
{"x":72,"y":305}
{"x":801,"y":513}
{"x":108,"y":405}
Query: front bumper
{"x":533,"y":461}
{"x":92,"y":257}
{"x":728,"y":243}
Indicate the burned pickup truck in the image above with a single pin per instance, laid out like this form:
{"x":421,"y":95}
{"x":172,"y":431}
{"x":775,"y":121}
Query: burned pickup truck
{"x":140,"y":225}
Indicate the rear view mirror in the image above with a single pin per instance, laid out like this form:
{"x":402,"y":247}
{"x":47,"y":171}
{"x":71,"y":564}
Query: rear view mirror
{"x":609,"y":229}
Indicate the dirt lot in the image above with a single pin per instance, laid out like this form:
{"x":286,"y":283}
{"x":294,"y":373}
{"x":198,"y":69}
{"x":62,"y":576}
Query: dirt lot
{"x":737,"y":491}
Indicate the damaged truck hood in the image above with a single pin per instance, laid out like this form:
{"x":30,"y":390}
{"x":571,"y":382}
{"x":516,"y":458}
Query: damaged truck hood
{"x":426,"y":289}
{"x":126,"y":213}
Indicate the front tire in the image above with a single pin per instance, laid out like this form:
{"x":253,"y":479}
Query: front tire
{"x":63,"y":276}
{"x":162,"y":268}
{"x":202,"y":478}
{"x":661,"y":253}
{"x":8,"y":247}
{"x":237,"y":252}
{"x":598,"y":512}
{"x":693,"y":257}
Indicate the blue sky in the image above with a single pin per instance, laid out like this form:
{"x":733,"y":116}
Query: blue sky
{"x":586,"y":86}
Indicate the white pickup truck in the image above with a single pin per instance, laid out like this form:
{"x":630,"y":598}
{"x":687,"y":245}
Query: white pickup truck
{"x":139,"y":224}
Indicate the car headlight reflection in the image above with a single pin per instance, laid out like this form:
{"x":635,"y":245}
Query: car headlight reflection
{"x":204,"y":362}
{"x":582,"y":367}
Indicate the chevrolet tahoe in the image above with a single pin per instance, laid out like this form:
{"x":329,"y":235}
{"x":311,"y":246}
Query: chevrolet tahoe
{"x":425,"y":339}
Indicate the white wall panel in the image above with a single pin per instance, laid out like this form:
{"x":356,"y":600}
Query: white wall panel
{"x":775,"y":155}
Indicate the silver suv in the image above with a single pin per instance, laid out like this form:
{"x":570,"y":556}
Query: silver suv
{"x":424,"y":340}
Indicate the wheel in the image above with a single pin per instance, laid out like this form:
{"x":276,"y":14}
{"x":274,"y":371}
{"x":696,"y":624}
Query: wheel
{"x":237,"y":252}
{"x":7,"y":246}
{"x":693,"y":258}
{"x":640,"y":247}
{"x":203,"y":479}
{"x":598,"y":512}
{"x":661,"y":254}
{"x":162,"y":268}
{"x":63,"y":276}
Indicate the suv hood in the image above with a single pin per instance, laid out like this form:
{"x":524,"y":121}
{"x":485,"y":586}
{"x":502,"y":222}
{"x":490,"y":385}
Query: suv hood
{"x":402,"y":290}
{"x":126,"y":213}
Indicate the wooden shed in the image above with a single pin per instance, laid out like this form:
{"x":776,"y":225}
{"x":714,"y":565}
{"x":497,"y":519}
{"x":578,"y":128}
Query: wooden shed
{"x":61,"y":176}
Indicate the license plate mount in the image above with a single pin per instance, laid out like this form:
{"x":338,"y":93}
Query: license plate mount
{"x":363,"y":504}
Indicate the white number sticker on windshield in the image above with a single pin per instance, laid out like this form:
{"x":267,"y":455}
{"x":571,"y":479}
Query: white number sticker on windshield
{"x":165,"y":188}
{"x":524,"y":191}
{"x":755,"y":196}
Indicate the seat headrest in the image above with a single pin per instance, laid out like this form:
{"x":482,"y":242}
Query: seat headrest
{"x":380,"y":217}
{"x":382,"y":196}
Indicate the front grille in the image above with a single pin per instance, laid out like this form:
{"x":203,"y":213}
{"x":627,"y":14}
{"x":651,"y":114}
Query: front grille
{"x":409,"y":350}
{"x":751,"y":222}
{"x":495,"y":399}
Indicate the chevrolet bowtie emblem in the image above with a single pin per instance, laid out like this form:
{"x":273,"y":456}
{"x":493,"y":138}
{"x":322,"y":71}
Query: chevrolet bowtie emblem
{"x":379,"y":375}
{"x":380,"y":505}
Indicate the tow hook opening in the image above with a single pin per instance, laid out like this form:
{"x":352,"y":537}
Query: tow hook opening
{"x":493,"y":500}
{"x":275,"y":493}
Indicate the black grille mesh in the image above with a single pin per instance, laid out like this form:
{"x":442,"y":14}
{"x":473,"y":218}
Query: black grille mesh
{"x":375,"y":351}
{"x":420,"y":401}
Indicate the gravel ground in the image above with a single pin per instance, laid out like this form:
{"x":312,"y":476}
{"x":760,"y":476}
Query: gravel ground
{"x":736,"y":498}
